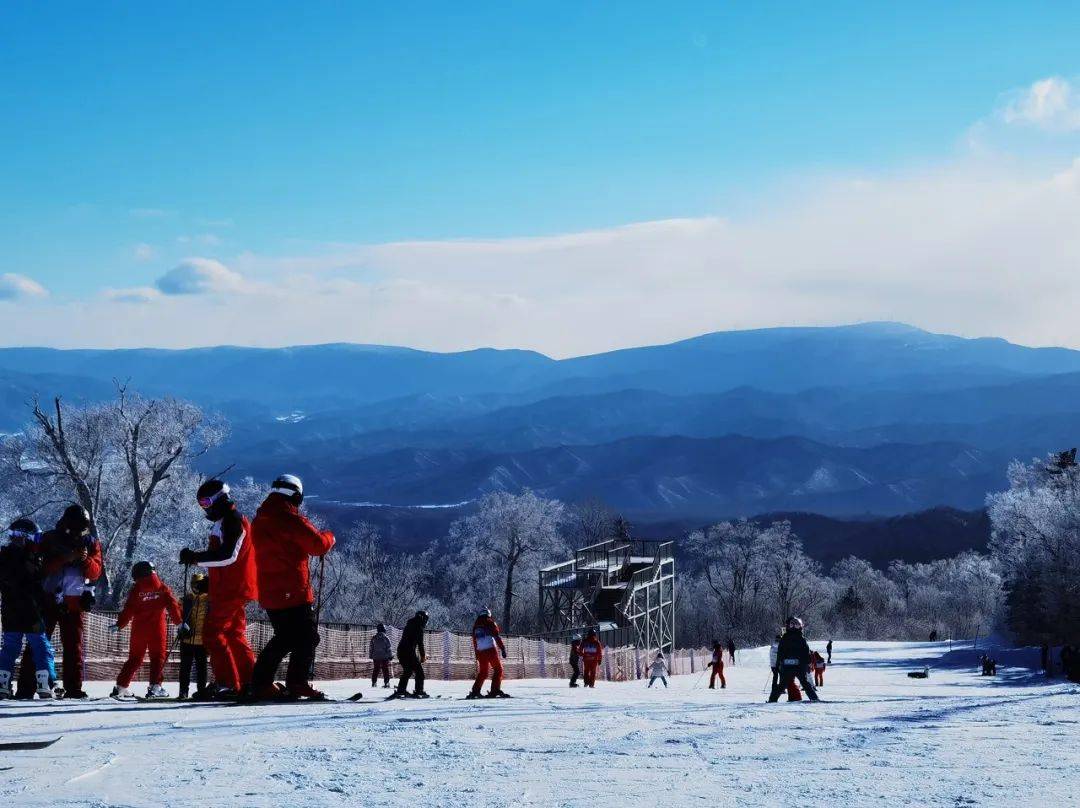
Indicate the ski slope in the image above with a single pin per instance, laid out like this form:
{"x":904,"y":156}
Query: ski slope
{"x":954,"y":739}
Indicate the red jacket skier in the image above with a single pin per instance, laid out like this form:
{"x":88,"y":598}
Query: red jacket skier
{"x":231,"y":562}
{"x":147,"y":604}
{"x":284,"y":540}
{"x":488,"y":645}
{"x":717,"y":666}
{"x":71,"y":558}
{"x":592,"y":652}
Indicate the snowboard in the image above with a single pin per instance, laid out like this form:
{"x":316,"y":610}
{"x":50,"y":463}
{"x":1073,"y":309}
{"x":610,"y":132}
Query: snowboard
{"x":14,"y":746}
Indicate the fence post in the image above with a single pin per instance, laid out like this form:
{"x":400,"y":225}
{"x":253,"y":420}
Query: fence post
{"x":446,"y":655}
{"x":543,"y":659}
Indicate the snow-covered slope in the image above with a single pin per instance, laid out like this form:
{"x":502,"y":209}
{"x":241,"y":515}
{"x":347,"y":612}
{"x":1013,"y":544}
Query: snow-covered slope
{"x":954,"y":739}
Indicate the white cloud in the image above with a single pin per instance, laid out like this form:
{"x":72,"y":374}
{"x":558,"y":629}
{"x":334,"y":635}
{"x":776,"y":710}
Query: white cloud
{"x":143,"y":253}
{"x":137,"y":294}
{"x":20,"y":287}
{"x":1051,"y":104}
{"x":199,"y":276}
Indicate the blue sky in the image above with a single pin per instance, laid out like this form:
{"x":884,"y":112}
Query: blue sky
{"x":261,"y":136}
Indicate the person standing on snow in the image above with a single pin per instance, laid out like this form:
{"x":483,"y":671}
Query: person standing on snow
{"x":22,"y":610}
{"x":592,"y":652}
{"x":828,"y":651}
{"x":793,"y":657}
{"x":731,"y":650}
{"x":658,"y":670}
{"x":716,"y":665}
{"x":381,"y":653}
{"x":411,"y":656}
{"x":71,"y":559}
{"x":575,"y":657}
{"x":192,"y":650}
{"x":284,"y":539}
{"x":817,"y":664}
{"x":147,"y":603}
{"x":488,"y":646}
{"x":231,"y":561}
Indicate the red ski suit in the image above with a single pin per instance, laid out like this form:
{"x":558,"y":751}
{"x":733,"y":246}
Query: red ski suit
{"x":145,"y":609}
{"x":284,"y":539}
{"x":231,"y":562}
{"x":488,"y":644}
{"x":717,"y":666}
{"x":592,"y":652}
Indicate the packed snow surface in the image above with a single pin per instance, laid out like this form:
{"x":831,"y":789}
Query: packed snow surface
{"x":953,"y":739}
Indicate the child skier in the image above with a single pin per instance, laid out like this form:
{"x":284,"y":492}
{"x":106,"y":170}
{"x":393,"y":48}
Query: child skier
{"x":817,"y":664}
{"x":575,"y":657}
{"x":192,"y":650}
{"x":21,"y":610}
{"x":145,"y":609}
{"x":658,"y":670}
{"x":488,"y":645}
{"x":381,"y":653}
{"x":592,"y":652}
{"x":717,"y":666}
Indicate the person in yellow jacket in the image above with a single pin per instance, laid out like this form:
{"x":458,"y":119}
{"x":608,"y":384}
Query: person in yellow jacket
{"x":192,"y":651}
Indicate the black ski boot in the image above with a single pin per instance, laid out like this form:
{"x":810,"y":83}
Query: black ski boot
{"x":474,"y":694}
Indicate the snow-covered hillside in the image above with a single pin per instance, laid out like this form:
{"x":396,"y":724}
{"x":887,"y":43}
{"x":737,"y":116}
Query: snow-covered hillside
{"x":954,"y":739}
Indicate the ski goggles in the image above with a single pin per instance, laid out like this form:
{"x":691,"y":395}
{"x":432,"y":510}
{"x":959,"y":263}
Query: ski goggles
{"x":207,"y":502}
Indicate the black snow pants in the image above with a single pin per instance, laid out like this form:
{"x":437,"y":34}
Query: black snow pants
{"x":410,"y":666}
{"x":575,"y":670}
{"x":192,"y":655}
{"x":295,"y":636}
{"x":789,"y":674}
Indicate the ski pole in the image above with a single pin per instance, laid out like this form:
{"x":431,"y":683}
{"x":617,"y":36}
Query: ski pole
{"x":318,"y":612}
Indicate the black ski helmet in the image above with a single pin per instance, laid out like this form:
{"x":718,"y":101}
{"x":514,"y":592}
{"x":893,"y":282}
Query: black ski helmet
{"x":213,"y":497}
{"x":26,"y":528}
{"x":422,"y":615}
{"x":75,"y":519}
{"x":381,"y":629}
{"x":290,"y":486}
{"x":142,"y":569}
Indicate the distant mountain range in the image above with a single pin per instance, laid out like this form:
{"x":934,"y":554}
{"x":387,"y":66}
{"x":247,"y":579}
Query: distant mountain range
{"x":871,"y":420}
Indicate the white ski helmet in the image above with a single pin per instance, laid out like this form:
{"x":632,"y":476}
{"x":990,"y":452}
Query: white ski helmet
{"x":795,"y":622}
{"x":485,"y":612}
{"x":289,"y":485}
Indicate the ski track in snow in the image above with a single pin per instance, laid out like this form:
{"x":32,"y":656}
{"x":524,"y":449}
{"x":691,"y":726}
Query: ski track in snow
{"x":955,"y":739}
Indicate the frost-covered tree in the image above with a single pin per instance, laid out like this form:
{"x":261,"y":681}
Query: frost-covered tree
{"x":1036,"y":539}
{"x":498,"y":551}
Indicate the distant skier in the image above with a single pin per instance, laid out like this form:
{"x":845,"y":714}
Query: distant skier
{"x":22,"y":611}
{"x":772,"y":660}
{"x":575,"y":660}
{"x":716,"y":665}
{"x":793,"y":657}
{"x":381,"y":653}
{"x":817,"y":665}
{"x":731,"y":650}
{"x":72,"y":562}
{"x":933,"y":635}
{"x":147,"y":604}
{"x":488,"y":646}
{"x":411,"y":656}
{"x":231,"y":560}
{"x":658,"y":670}
{"x":284,"y":540}
{"x":1044,"y":659}
{"x":989,"y":665}
{"x":195,"y":606}
{"x":828,"y":652}
{"x":592,"y":653}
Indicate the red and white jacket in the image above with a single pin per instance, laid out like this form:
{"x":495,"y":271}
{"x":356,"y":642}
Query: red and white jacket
{"x":148,"y":602}
{"x":230,"y":559}
{"x":592,"y":650}
{"x":486,"y":635}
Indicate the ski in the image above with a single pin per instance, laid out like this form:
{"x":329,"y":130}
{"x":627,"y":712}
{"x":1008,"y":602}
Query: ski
{"x":14,"y":746}
{"x":356,"y":697}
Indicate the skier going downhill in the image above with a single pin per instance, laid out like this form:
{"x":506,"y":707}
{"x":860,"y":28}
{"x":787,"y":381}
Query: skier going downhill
{"x":192,"y":649}
{"x":592,"y":652}
{"x":488,"y":645}
{"x":381,"y":653}
{"x":21,"y":609}
{"x":658,"y":670}
{"x":284,"y":539}
{"x":71,"y":559}
{"x":147,"y":604}
{"x":793,"y":658}
{"x":411,"y":656}
{"x":231,"y":562}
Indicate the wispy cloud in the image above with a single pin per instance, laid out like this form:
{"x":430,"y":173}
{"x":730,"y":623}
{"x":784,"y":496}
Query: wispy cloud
{"x":199,"y":276}
{"x":143,"y":253}
{"x":19,"y":287}
{"x":1051,"y":104}
{"x":138,"y":294}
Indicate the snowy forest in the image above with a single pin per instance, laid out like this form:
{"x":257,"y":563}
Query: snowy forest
{"x":131,"y":462}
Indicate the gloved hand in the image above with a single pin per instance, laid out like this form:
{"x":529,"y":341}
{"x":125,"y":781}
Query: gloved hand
{"x":187,"y":556}
{"x":184,"y":631}
{"x":114,"y":628}
{"x":504,"y":653}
